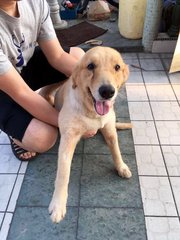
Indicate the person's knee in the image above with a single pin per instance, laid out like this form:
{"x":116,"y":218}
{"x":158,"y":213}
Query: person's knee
{"x":39,"y":136}
{"x":46,"y":140}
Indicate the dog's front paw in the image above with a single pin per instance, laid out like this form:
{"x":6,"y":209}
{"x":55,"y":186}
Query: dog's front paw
{"x":124,"y":171}
{"x":57,"y":211}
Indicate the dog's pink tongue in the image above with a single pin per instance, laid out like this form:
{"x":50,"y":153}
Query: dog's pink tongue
{"x":102,"y":107}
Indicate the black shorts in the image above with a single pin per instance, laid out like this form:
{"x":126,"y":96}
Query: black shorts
{"x":38,"y":73}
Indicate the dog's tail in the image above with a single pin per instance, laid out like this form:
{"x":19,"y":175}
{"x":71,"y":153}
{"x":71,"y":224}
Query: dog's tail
{"x":121,"y":126}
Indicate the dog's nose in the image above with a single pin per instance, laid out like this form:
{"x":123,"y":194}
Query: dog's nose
{"x":106,"y":91}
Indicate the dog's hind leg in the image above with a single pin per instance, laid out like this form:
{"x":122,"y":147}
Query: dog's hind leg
{"x":110,"y":134}
{"x":48,"y":92}
{"x":57,"y":207}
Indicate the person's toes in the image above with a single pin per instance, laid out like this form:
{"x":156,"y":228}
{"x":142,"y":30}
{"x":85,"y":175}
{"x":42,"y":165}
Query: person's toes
{"x":27,"y":155}
{"x":21,"y":153}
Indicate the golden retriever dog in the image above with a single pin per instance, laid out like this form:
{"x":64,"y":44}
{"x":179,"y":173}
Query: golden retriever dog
{"x":85,"y":102}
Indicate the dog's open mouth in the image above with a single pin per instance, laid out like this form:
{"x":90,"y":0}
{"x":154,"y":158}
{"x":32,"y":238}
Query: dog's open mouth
{"x":102,"y":107}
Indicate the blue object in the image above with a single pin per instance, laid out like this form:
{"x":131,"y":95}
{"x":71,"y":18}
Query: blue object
{"x":69,"y":13}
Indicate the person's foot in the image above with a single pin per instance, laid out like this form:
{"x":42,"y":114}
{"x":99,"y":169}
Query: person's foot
{"x":20,"y":153}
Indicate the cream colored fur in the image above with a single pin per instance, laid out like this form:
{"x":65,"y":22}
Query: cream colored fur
{"x":78,"y":116}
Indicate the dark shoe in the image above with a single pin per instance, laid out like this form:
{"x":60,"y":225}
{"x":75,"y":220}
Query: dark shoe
{"x":18,"y":151}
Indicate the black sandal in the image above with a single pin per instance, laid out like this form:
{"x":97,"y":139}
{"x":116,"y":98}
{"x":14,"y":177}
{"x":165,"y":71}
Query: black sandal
{"x":18,"y":151}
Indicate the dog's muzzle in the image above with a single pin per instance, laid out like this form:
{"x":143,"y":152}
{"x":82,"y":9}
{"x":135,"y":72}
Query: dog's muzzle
{"x":103,"y":105}
{"x":106,"y":91}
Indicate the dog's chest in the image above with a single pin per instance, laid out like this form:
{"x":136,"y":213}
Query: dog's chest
{"x":91,"y":126}
{"x":97,"y":123}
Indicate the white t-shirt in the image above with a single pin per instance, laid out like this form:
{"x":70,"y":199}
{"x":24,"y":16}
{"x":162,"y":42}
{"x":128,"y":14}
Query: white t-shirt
{"x":19,"y":36}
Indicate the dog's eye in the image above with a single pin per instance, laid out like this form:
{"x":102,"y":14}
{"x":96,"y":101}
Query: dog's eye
{"x":91,"y":66}
{"x":117,"y":67}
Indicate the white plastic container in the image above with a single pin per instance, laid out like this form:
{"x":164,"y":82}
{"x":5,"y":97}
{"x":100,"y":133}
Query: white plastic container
{"x":131,"y":18}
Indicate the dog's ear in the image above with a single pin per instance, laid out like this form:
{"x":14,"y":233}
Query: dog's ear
{"x":125,"y":72}
{"x":75,"y":76}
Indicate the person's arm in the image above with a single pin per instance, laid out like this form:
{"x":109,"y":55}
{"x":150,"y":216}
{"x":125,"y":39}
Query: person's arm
{"x":13,"y":85}
{"x":57,"y":57}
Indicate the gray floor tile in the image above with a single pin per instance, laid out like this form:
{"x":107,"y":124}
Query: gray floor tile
{"x":121,"y":105}
{"x":32,"y":223}
{"x":111,"y":224}
{"x":151,"y":64}
{"x":126,"y":141}
{"x":112,"y":37}
{"x":101,"y":186}
{"x":101,"y":205}
{"x":133,"y":65}
{"x":97,"y":145}
{"x":38,"y":185}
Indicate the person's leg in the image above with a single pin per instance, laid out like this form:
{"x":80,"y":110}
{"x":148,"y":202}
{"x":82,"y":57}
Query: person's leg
{"x":25,"y":131}
{"x":39,"y":137}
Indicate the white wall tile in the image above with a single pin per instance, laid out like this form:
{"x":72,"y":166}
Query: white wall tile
{"x":159,"y":228}
{"x":175,"y":78}
{"x":8,"y":162}
{"x":160,"y":93}
{"x":5,"y":226}
{"x":175,"y":181}
{"x":6,"y":186}
{"x":155,"y":77}
{"x":172,"y":159}
{"x":23,"y":167}
{"x":1,"y":217}
{"x":166,"y":55}
{"x":15,"y":193}
{"x":157,"y":196}
{"x":133,"y":64}
{"x":144,"y":132}
{"x":166,"y":110}
{"x":167,"y":63}
{"x":135,"y":78}
{"x":136,"y":93}
{"x":129,"y":55}
{"x":176,"y":88}
{"x":4,"y":138}
{"x":169,"y":132}
{"x":151,"y":64}
{"x":149,"y":160}
{"x":140,"y":111}
{"x":148,"y":55}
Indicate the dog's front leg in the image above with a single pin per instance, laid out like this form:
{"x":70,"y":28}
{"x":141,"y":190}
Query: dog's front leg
{"x":110,"y":134}
{"x":57,"y":207}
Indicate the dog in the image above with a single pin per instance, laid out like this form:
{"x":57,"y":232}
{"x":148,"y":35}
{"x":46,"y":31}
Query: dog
{"x":85,"y":103}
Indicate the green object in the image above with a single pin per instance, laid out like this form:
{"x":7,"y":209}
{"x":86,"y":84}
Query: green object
{"x":175,"y":26}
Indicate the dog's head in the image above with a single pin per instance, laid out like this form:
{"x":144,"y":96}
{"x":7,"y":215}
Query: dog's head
{"x":99,"y":75}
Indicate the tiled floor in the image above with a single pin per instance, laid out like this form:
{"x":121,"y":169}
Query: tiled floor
{"x":11,"y":177}
{"x":154,"y":106}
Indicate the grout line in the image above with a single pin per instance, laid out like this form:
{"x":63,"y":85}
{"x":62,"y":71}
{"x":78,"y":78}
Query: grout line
{"x":160,"y":145}
{"x":161,"y":216}
{"x":82,"y":162}
{"x":2,"y":220}
{"x":142,"y":204}
{"x":12,"y":191}
{"x":178,"y":101}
